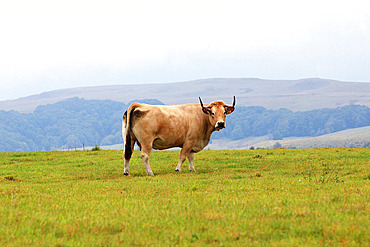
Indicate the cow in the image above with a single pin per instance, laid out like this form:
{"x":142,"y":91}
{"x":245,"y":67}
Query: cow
{"x":188,"y":127}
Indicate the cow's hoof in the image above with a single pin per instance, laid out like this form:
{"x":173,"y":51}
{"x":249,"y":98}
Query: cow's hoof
{"x":177,"y":170}
{"x":126,"y":174}
{"x":151,"y":174}
{"x":192,"y":170}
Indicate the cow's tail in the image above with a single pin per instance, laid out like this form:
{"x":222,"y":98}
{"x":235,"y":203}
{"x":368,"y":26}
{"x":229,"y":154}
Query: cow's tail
{"x":127,"y":131}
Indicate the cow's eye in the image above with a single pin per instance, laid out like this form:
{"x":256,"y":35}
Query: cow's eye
{"x":212,"y":113}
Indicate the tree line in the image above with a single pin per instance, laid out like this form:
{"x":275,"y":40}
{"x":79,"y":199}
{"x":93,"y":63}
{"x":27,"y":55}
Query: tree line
{"x":75,"y":122}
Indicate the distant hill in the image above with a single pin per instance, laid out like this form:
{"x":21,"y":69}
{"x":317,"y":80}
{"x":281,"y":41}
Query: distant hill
{"x":359,"y":137}
{"x":295,"y":95}
{"x":75,"y":122}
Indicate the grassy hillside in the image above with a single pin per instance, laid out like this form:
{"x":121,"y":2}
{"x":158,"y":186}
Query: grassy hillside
{"x":236,"y":198}
{"x":78,"y":122}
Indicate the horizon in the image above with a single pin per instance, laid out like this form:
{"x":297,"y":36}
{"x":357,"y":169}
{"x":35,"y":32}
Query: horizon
{"x":296,"y":95}
{"x":158,"y":83}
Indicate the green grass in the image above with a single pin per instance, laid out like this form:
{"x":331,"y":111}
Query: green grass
{"x":236,"y":198}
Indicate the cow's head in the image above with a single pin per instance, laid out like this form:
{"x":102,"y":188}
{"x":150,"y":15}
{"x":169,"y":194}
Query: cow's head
{"x":217,"y":112}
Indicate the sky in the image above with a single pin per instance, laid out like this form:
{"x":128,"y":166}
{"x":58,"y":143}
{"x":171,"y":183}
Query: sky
{"x":49,"y":45}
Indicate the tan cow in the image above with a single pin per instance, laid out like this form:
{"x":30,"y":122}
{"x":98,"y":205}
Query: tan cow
{"x":160,"y":127}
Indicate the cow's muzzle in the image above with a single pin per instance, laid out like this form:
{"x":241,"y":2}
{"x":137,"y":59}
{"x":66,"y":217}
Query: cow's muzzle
{"x":220,"y":125}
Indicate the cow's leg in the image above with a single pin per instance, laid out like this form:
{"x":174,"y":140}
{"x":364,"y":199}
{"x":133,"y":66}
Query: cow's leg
{"x":185,"y":151}
{"x":145,"y":152}
{"x":126,"y":170}
{"x":181,"y":160}
{"x":191,"y":158}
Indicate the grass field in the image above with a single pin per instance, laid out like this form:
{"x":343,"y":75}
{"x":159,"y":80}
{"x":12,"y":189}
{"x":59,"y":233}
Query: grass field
{"x":236,"y":198}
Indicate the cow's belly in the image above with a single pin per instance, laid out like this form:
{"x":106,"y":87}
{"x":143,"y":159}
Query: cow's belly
{"x":161,"y":144}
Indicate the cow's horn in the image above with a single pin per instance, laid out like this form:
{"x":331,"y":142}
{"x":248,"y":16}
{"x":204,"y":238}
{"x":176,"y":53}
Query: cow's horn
{"x":204,"y":109}
{"x":201,"y":103}
{"x":234,"y":102}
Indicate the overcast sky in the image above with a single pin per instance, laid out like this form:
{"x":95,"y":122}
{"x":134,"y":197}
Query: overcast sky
{"x":47,"y":45}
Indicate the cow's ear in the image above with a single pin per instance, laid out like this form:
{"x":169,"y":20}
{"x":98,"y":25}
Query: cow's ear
{"x":229,"y":109}
{"x":207,"y":110}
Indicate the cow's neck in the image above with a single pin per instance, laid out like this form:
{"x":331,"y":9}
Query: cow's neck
{"x":209,"y":129}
